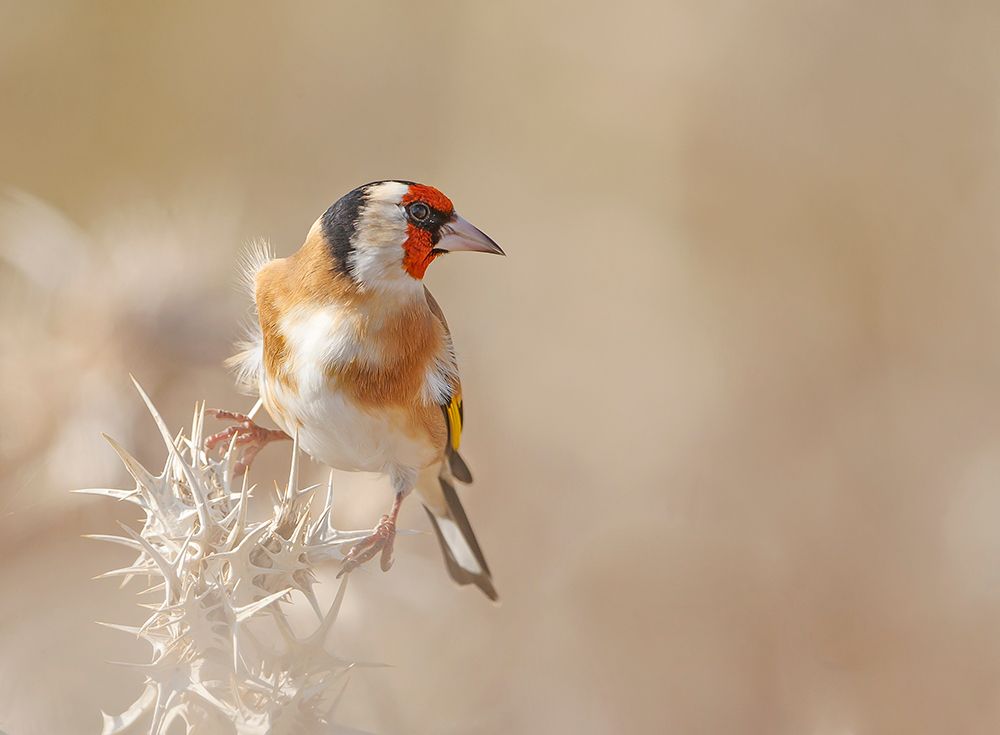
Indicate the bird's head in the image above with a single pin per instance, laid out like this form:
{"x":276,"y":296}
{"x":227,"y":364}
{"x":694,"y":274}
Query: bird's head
{"x":383,"y":235}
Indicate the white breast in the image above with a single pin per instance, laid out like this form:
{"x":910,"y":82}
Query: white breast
{"x":332,"y":428}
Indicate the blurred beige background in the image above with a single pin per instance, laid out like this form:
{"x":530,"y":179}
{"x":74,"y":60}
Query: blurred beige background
{"x":733,"y":400}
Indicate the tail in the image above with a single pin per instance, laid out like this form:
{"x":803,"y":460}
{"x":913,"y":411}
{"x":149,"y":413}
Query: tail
{"x":462,"y":554}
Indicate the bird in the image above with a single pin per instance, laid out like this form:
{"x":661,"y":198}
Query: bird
{"x":352,"y":355}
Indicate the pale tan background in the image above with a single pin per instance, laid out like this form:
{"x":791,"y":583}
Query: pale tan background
{"x":733,"y":400}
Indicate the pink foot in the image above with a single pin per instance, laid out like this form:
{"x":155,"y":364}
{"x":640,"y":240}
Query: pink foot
{"x":381,"y":540}
{"x":251,"y":437}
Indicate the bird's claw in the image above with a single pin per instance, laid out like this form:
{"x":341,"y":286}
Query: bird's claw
{"x":251,"y":437}
{"x":382,"y":540}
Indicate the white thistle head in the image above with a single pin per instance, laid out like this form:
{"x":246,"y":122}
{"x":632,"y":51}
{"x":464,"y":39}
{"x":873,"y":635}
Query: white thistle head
{"x":220,"y":584}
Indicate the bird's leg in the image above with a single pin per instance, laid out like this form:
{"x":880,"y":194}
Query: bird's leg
{"x":251,"y":437}
{"x":381,"y":540}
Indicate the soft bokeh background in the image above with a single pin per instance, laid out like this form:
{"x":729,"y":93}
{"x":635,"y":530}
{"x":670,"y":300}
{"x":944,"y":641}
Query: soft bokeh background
{"x":733,"y":400}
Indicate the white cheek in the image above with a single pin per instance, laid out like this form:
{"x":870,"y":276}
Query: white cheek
{"x":377,"y":265}
{"x":376,"y":260}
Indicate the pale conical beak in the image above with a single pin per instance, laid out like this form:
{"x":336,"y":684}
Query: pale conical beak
{"x":460,"y":234}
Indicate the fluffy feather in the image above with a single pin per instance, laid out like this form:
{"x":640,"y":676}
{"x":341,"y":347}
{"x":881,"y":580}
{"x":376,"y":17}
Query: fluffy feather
{"x":248,"y":362}
{"x":255,"y":256}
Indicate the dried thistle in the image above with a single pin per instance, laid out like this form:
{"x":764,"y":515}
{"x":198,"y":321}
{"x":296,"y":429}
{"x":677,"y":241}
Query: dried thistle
{"x":224,"y":657}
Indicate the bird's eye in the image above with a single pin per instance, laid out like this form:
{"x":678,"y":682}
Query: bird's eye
{"x":419,"y":211}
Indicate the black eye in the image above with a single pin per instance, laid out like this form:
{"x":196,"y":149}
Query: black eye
{"x":419,"y":211}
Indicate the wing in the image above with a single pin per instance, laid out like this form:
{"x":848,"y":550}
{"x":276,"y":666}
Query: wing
{"x":454,"y":413}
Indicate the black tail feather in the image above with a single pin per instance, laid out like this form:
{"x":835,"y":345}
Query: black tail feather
{"x":456,"y":514}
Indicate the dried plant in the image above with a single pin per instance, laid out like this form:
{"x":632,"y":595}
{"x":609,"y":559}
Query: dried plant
{"x":225,"y":658}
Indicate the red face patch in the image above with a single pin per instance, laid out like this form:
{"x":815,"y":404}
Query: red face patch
{"x":429,"y":196}
{"x":417,"y":250}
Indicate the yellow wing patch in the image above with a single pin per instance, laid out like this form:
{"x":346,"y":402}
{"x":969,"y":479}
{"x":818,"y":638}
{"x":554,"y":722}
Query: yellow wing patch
{"x":454,"y":414}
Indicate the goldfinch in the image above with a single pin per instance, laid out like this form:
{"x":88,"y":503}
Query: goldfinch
{"x":352,"y":354}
